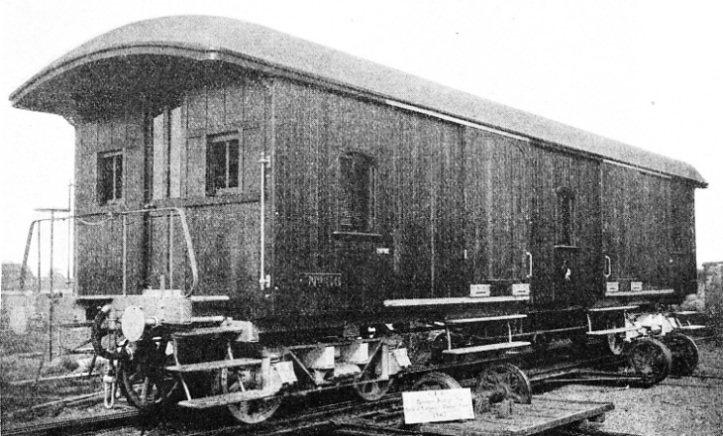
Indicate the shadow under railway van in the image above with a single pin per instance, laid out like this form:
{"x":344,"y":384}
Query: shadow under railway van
{"x":259,"y":216}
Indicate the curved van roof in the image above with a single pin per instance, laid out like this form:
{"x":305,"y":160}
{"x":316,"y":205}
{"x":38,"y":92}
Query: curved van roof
{"x":205,"y":38}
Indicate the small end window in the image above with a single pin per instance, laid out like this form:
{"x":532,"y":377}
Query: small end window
{"x":110,"y":177}
{"x":223,"y":164}
{"x":358,"y":180}
{"x":565,"y":216}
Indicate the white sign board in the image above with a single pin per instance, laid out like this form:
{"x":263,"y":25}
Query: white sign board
{"x":636,"y":286}
{"x":520,"y":289}
{"x":437,"y":406}
{"x":479,"y":290}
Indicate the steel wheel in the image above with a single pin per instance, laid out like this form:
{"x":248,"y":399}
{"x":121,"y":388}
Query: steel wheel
{"x":435,"y":381}
{"x":685,"y":354}
{"x":367,"y":386}
{"x":234,"y":380}
{"x":651,"y":359}
{"x":142,"y":375}
{"x":106,"y":342}
{"x":504,"y":381}
{"x":372,"y":390}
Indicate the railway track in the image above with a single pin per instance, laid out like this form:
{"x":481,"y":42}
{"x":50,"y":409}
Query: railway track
{"x":174,"y":421}
{"x":587,"y":432}
{"x":76,"y":426}
{"x":380,"y":418}
{"x":368,"y":431}
{"x":349,"y":418}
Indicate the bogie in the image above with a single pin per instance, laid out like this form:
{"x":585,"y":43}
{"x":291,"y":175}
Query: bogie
{"x":684,"y":353}
{"x":651,"y":360}
{"x":142,"y":375}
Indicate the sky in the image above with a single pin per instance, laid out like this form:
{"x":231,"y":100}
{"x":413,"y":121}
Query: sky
{"x":648,"y":73}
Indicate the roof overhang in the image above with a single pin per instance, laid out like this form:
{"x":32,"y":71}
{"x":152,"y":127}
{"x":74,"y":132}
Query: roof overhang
{"x":94,"y":83}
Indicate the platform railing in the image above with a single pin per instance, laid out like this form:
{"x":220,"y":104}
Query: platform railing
{"x":86,"y":219}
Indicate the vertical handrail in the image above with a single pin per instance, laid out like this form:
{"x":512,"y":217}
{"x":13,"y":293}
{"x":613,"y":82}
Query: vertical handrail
{"x":40,"y":270}
{"x":170,"y":252}
{"x":52,"y":247}
{"x":263,"y":282}
{"x":125,"y":255}
{"x":529,"y":266}
{"x":609,"y":267}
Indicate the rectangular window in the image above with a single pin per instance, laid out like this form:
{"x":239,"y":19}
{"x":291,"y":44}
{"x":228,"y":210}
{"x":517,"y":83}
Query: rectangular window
{"x":565,"y":216}
{"x":358,"y":185}
{"x":110,"y":177}
{"x":224,"y":165}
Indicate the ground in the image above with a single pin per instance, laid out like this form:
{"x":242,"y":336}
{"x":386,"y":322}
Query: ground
{"x":675,"y":407}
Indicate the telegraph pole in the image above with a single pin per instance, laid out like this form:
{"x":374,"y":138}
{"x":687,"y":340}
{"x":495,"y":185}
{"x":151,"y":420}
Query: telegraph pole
{"x":51,"y":309}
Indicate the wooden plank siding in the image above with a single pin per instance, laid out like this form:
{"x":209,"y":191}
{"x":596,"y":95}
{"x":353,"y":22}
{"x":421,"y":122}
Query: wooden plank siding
{"x":454,"y":206}
{"x":99,"y":253}
{"x":682,"y":216}
{"x":498,"y":195}
{"x":418,"y":203}
{"x":647,"y":228}
{"x":224,"y":228}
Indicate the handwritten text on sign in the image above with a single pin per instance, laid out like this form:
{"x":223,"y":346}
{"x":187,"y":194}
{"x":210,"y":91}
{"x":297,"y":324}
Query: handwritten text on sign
{"x":437,"y":406}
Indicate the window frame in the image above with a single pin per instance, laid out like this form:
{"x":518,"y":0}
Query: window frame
{"x":226,"y":138}
{"x":114,"y":193}
{"x":366,"y":214}
{"x":565,"y":217}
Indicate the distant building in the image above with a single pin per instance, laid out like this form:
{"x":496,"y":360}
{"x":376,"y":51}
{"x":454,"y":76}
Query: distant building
{"x":712,"y":280}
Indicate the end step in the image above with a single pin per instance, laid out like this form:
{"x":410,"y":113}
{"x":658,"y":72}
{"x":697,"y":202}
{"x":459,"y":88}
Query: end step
{"x":225,"y":399}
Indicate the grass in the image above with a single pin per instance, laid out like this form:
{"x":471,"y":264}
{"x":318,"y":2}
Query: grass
{"x":25,"y":357}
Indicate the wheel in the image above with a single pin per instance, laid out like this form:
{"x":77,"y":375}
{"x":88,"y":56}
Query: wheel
{"x":233,"y":380}
{"x":367,"y":386}
{"x":142,"y":375}
{"x":504,"y":381}
{"x":651,"y":359}
{"x":616,"y":344}
{"x":685,"y":354}
{"x":371,"y":390}
{"x":435,"y":381}
{"x":106,"y":343}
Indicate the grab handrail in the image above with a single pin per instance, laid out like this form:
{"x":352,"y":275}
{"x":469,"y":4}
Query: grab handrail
{"x":609,"y":267}
{"x":529,"y":265}
{"x":123,"y":214}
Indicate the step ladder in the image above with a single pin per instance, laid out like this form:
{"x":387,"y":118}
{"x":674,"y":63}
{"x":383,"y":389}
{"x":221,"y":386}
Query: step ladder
{"x":683,"y":322}
{"x":500,"y":346}
{"x":225,"y":399}
{"x":231,"y":362}
{"x":592,"y":329}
